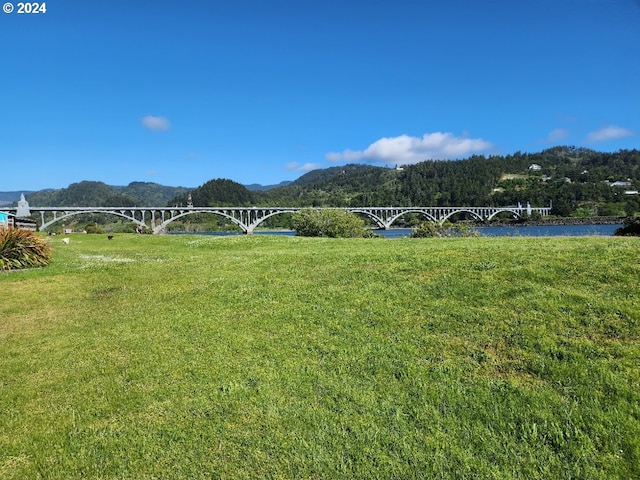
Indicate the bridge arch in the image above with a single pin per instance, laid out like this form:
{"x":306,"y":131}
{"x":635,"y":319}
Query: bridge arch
{"x":461,"y":210}
{"x":503,"y":210}
{"x":159,"y":228}
{"x":259,"y":220}
{"x":419,"y":211}
{"x":367,"y":213}
{"x":121,"y":213}
{"x":247,"y":219}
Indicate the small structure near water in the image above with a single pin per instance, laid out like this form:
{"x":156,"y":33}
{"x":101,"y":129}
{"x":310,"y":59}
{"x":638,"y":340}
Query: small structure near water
{"x":21,"y":219}
{"x":6,"y":222}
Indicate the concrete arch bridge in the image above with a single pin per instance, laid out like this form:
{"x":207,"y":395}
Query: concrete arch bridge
{"x":248,"y":218}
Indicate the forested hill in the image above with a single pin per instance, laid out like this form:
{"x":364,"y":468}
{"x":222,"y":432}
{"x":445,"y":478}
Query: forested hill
{"x":575,"y":181}
{"x":219,"y":193}
{"x":336,"y":186}
{"x":569,"y":178}
{"x":572,"y":180}
{"x":99,"y":194}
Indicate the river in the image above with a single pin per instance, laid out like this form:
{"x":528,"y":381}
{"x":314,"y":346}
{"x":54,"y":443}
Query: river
{"x":524,"y":231}
{"x":502,"y":231}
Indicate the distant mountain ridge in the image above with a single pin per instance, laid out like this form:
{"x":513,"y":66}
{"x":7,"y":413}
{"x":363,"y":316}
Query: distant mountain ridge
{"x":7,"y":198}
{"x":95,"y":193}
{"x":256,"y":187}
{"x":99,"y":194}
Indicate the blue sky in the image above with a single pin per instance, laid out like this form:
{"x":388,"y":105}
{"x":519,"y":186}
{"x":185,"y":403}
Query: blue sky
{"x":179,"y":93}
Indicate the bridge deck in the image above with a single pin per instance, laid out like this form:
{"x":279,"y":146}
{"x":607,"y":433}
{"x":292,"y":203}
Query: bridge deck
{"x":248,"y":218}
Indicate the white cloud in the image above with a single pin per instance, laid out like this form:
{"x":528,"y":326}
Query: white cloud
{"x":557,"y":135}
{"x":306,"y":167}
{"x":156,"y":123}
{"x":405,"y":150}
{"x":610,"y":132}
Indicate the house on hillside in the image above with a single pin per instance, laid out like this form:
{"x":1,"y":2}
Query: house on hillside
{"x":534,"y":167}
{"x":620,"y":184}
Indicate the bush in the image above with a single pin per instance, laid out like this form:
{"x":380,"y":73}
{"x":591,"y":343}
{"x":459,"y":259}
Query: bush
{"x":446,"y":229}
{"x":329,"y":223}
{"x":93,"y":228}
{"x":631,"y":227}
{"x":22,"y":249}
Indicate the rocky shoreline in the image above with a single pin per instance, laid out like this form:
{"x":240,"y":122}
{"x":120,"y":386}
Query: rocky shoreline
{"x":559,"y":221}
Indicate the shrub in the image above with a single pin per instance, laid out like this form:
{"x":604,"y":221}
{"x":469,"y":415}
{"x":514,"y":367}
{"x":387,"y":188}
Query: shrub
{"x":631,"y":227}
{"x":22,"y":249}
{"x":329,"y":223}
{"x":93,"y":228}
{"x":446,"y":229}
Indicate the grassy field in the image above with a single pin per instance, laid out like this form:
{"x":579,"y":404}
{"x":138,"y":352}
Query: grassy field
{"x":190,"y":357}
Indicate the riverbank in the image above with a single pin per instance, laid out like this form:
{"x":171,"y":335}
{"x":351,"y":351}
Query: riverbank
{"x":558,"y":221}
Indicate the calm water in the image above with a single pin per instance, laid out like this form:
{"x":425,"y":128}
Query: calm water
{"x":519,"y":231}
{"x":525,"y":231}
{"x":550,"y":230}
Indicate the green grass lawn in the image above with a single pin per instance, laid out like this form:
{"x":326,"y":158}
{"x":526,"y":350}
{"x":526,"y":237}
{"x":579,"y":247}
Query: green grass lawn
{"x":282,"y":357}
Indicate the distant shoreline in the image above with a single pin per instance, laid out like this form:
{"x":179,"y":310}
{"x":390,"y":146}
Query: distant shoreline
{"x":557,"y":221}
